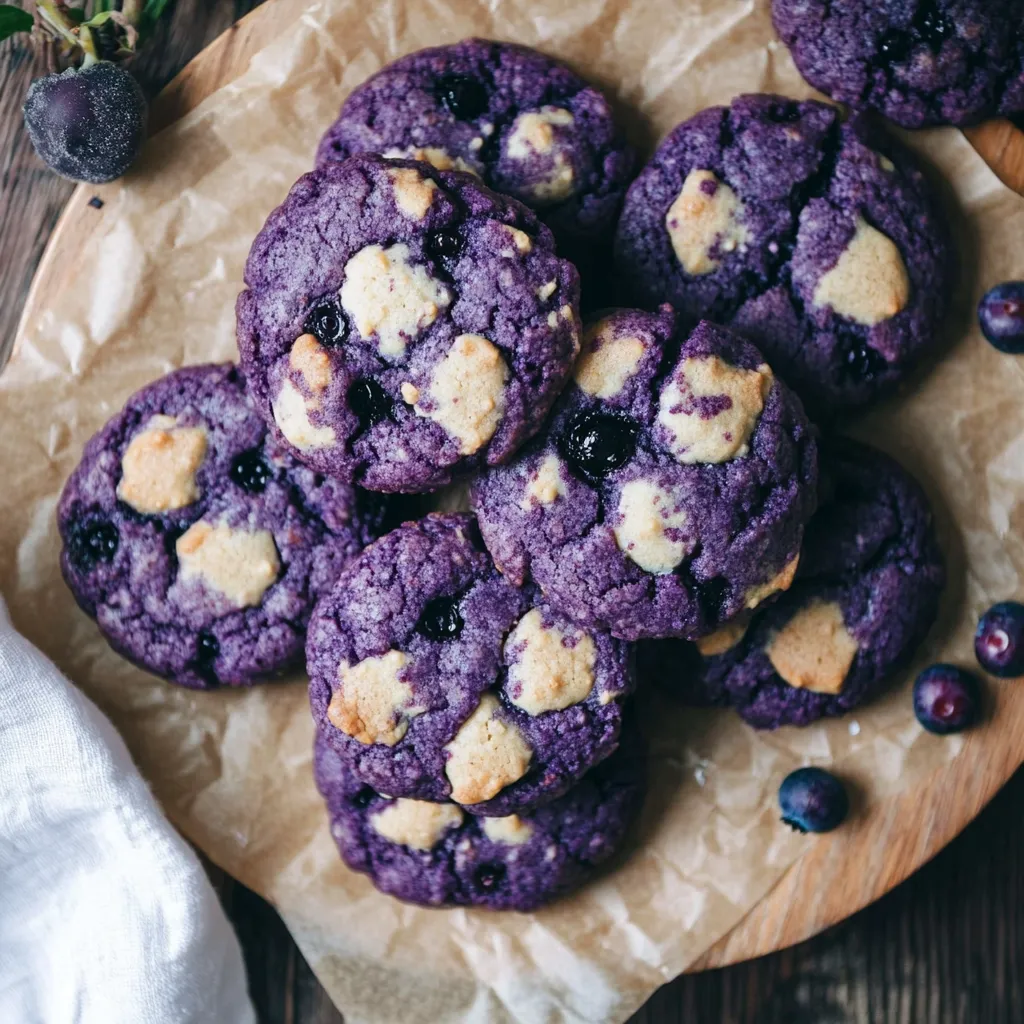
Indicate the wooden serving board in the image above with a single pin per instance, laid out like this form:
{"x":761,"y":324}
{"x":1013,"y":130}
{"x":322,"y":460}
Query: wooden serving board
{"x":839,"y":874}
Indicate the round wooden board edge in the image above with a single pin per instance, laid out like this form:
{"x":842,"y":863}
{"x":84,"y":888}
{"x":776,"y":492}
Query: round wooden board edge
{"x":879,"y":839}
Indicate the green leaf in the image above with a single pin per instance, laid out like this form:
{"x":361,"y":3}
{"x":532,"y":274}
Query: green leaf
{"x":99,"y":19}
{"x":101,"y":6}
{"x":14,"y":19}
{"x":152,"y":13}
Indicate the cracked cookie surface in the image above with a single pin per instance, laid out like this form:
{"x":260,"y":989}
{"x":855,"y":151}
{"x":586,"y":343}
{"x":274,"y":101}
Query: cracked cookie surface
{"x":402,"y":326}
{"x":436,"y":855}
{"x":523,"y":123}
{"x":436,"y":678}
{"x":669,"y":489}
{"x":817,"y":240}
{"x":195,"y":541}
{"x":919,"y":62}
{"x":866,"y":593}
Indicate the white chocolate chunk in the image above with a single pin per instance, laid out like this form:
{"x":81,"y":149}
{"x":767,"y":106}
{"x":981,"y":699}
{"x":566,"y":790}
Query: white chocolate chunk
{"x":725,"y":638}
{"x":510,"y":830}
{"x":545,"y":485}
{"x":548,"y":670}
{"x":706,"y":213}
{"x":608,"y":360}
{"x":413,"y":192}
{"x":373,"y":703}
{"x":159,"y":466}
{"x":782,"y":580}
{"x":291,"y":413}
{"x":310,"y":359}
{"x":433,"y":155}
{"x":545,"y":291}
{"x":241,"y":565}
{"x":533,"y":135}
{"x":869,"y":282}
{"x":410,"y":393}
{"x":486,"y":755}
{"x":697,"y":438}
{"x":520,"y":239}
{"x":416,"y":823}
{"x":389,"y":297}
{"x":814,"y":650}
{"x":467,"y":392}
{"x":645,"y":512}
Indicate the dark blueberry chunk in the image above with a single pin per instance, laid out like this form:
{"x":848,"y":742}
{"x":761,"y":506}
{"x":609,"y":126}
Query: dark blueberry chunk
{"x":932,"y":26}
{"x":813,"y":800}
{"x":946,"y":699}
{"x":207,"y":651}
{"x":489,"y":876}
{"x":441,"y":620}
{"x":463,"y":97}
{"x":896,"y":45}
{"x":96,"y":203}
{"x":93,"y":540}
{"x":369,"y":401}
{"x":327,"y":323}
{"x":1001,"y":315}
{"x":711,"y":594}
{"x":598,"y":443}
{"x":863,"y":363}
{"x":445,"y":243}
{"x":250,"y":471}
{"x":364,"y":798}
{"x":999,"y":641}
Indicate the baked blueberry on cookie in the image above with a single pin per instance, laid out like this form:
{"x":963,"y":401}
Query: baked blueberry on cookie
{"x":919,"y":62}
{"x":438,"y":679}
{"x":437,"y":855}
{"x":523,"y":123}
{"x":402,"y":325}
{"x":195,"y":542}
{"x":867,"y":592}
{"x":670,"y":488}
{"x":817,"y":240}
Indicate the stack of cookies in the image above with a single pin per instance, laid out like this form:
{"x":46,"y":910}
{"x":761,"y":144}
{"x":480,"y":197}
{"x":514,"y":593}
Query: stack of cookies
{"x":648,"y":496}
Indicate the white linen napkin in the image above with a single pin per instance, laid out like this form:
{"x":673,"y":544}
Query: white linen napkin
{"x":106,"y":915}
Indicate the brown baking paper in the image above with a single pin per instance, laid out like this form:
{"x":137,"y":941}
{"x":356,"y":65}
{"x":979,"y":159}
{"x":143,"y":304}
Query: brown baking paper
{"x":156,"y":289}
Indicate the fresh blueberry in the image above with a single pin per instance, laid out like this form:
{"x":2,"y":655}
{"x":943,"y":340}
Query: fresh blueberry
{"x":863,"y":363}
{"x":364,"y":798}
{"x":999,"y":640}
{"x":598,"y":443}
{"x":93,"y":540}
{"x":490,"y":876}
{"x":946,"y":699}
{"x":445,"y":243}
{"x":250,"y":471}
{"x":441,"y":620}
{"x":369,"y":401}
{"x":1001,"y":315}
{"x":463,"y":97}
{"x":327,"y":323}
{"x":813,"y":800}
{"x":88,"y":124}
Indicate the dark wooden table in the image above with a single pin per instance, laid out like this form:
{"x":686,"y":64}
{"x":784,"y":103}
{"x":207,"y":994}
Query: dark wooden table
{"x":947,"y":947}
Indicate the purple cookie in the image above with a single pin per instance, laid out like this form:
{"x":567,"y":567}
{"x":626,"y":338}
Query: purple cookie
{"x":195,"y":542}
{"x":818,"y":241}
{"x":436,"y":678}
{"x":436,"y":855}
{"x":867,"y":591}
{"x":669,"y":490}
{"x":403,"y":325}
{"x":523,"y":123}
{"x":920,"y":62}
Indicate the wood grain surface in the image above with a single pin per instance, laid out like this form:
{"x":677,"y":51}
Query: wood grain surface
{"x":956,"y":980}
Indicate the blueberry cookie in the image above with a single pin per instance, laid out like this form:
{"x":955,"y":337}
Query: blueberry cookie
{"x":867,"y":592}
{"x":197,"y":544}
{"x":522,"y":123}
{"x":819,"y":241}
{"x":438,"y":679}
{"x":920,"y":62}
{"x":437,"y":855}
{"x":669,"y":490}
{"x":403,"y":325}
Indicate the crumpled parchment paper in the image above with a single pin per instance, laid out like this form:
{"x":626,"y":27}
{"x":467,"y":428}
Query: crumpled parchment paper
{"x":156,"y":289}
